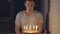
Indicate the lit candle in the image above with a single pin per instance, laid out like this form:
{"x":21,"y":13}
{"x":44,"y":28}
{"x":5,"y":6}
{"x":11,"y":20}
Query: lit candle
{"x":24,"y":27}
{"x":29,"y":27}
{"x":33,"y":27}
{"x":36,"y":27}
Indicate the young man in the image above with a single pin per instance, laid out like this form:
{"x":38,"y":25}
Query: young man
{"x":30,"y":20}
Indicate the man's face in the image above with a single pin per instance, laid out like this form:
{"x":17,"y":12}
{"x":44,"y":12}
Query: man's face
{"x":29,"y":4}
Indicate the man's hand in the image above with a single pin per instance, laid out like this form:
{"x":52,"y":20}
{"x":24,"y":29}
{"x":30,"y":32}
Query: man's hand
{"x":17,"y":29}
{"x":18,"y":33}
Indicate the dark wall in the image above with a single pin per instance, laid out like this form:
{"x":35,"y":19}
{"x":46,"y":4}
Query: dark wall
{"x":4,"y":8}
{"x":9,"y":9}
{"x":4,"y":16}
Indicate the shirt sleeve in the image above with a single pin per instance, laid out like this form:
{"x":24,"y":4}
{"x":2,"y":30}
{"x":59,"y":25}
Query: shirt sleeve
{"x":40,"y":18}
{"x":17,"y":20}
{"x":40,"y":22}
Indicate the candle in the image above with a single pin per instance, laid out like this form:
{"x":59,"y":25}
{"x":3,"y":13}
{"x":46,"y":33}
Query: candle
{"x":29,"y":27}
{"x":33,"y":27}
{"x":24,"y":27}
{"x":36,"y":27}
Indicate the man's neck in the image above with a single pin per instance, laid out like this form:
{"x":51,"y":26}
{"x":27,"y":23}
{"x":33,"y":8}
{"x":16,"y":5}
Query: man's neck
{"x":29,"y":12}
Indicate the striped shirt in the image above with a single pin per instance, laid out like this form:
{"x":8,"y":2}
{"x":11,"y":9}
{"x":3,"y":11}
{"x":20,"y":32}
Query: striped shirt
{"x":29,"y":22}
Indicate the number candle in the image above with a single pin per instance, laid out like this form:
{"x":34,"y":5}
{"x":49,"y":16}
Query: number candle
{"x":33,"y":27}
{"x":24,"y":27}
{"x":36,"y":27}
{"x":29,"y":27}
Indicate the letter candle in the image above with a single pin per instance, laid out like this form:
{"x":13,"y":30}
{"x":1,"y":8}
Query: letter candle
{"x":29,"y":27}
{"x":36,"y":27}
{"x":24,"y":27}
{"x":33,"y":27}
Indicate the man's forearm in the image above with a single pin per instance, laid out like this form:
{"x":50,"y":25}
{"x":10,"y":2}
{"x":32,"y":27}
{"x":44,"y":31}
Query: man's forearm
{"x":41,"y":27}
{"x":17,"y":29}
{"x":18,"y":32}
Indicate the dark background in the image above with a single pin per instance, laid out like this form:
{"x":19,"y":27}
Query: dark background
{"x":9,"y":9}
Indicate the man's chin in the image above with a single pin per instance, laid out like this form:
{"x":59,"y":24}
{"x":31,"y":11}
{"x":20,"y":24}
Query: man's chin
{"x":30,"y":9}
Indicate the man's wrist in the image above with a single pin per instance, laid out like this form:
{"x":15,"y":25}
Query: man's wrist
{"x":18,"y":33}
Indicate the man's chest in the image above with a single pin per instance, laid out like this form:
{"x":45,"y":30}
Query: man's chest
{"x":29,"y":19}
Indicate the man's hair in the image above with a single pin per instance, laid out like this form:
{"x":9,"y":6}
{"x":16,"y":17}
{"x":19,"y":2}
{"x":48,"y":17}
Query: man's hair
{"x":30,"y":0}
